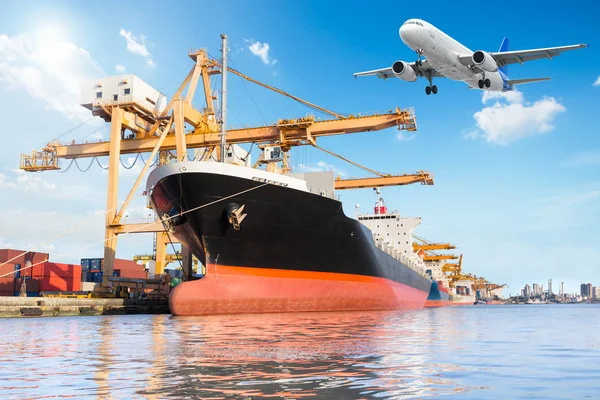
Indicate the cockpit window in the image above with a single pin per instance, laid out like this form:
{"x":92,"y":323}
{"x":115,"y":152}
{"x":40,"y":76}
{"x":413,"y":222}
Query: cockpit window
{"x":413,"y":22}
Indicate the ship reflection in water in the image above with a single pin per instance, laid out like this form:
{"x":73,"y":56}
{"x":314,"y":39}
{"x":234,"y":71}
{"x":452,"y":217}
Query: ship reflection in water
{"x":476,"y":352}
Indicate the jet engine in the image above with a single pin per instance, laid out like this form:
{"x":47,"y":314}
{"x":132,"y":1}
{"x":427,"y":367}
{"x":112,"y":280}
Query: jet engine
{"x":484,"y":61}
{"x":404,"y":71}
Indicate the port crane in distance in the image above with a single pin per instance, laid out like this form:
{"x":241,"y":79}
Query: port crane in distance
{"x":162,"y":133}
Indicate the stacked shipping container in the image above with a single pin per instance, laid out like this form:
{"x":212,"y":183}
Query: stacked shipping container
{"x":92,"y":269}
{"x":13,"y":265}
{"x":52,"y":277}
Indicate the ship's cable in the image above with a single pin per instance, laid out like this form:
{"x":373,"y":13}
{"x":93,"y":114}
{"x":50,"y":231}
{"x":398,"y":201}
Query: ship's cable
{"x":249,"y":94}
{"x":72,"y":129}
{"x":85,"y":223}
{"x":162,"y":221}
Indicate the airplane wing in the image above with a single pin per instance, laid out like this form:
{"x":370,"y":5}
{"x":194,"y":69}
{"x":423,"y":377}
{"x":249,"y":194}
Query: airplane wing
{"x":385,"y":73}
{"x":525,"y":80}
{"x":520,"y":56}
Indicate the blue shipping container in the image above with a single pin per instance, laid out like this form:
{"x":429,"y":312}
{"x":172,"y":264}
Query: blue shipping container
{"x":95,"y":263}
{"x":85,"y":264}
{"x":96,"y":277}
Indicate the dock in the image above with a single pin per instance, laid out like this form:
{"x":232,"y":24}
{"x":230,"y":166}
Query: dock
{"x":15,"y":307}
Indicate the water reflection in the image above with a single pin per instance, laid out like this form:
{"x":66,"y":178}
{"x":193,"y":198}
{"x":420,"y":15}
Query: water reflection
{"x":335,"y":355}
{"x":476,"y":352}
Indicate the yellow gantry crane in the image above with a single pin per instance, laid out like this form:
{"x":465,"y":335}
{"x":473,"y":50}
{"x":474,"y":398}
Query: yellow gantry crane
{"x":169,"y":258}
{"x":164,"y":132}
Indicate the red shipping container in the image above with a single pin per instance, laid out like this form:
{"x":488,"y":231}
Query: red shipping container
{"x":22,"y":256}
{"x":55,"y":283}
{"x":126,"y":265}
{"x":7,"y":285}
{"x":134,"y":274}
{"x":7,"y":269}
{"x":31,"y":285}
{"x":58,"y":277}
{"x":49,"y":269}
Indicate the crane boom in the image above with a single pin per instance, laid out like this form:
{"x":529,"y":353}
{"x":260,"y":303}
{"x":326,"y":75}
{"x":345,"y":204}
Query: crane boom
{"x":433,"y":246}
{"x":439,"y":257}
{"x":291,"y":132}
{"x":393,"y":180}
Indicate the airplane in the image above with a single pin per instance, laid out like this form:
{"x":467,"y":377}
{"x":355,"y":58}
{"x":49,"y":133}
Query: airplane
{"x":447,"y":58}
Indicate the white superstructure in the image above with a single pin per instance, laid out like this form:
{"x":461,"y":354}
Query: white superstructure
{"x":393,"y":233}
{"x":121,"y":90}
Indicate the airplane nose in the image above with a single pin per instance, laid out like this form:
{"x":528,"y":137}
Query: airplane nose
{"x":409,"y":33}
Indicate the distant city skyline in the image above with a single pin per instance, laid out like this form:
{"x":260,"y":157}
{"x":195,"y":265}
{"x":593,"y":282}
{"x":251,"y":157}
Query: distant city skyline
{"x":586,"y":290}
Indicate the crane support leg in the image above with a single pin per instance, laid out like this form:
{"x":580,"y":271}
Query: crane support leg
{"x":162,"y":239}
{"x":163,"y":134}
{"x":110,"y":244}
{"x":179,"y":130}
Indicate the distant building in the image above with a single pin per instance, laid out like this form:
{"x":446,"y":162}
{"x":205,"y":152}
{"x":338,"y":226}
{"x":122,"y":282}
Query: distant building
{"x":522,"y":293}
{"x":549,"y":287}
{"x":586,"y":290}
{"x":562,"y":288}
{"x":536,"y":289}
{"x":528,"y":291}
{"x":595,"y":292}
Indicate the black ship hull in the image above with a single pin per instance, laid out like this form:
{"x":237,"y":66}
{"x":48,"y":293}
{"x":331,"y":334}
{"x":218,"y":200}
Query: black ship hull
{"x":293,"y":251}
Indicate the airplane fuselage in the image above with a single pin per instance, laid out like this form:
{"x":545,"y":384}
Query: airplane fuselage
{"x":442,"y":51}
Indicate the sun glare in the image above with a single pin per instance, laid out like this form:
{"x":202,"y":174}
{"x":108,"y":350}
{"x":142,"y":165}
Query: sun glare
{"x":49,"y":32}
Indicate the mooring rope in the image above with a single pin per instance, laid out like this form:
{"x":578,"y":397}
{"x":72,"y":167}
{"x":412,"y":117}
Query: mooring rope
{"x":162,"y":220}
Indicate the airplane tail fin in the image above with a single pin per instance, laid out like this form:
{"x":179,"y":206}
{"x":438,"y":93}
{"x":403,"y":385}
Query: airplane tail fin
{"x":505,"y":46}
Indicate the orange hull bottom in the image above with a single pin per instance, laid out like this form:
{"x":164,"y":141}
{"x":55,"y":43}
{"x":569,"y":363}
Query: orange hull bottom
{"x":437,"y":303}
{"x":245,"y":290}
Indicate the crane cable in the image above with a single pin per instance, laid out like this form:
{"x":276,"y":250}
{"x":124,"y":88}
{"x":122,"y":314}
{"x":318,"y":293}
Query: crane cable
{"x":349,"y":161}
{"x":85,"y":223}
{"x":306,"y":103}
{"x":162,"y":220}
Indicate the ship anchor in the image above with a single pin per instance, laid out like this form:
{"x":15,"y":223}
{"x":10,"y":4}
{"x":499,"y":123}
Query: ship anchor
{"x":236,"y":217}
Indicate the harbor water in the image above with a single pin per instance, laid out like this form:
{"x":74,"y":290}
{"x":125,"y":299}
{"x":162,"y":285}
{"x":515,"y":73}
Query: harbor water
{"x":497,"y":352}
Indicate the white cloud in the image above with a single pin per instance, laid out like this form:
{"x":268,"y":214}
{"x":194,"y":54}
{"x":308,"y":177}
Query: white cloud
{"x":597,"y":82}
{"x":262,"y":50}
{"x":510,"y":118}
{"x":137,"y":45}
{"x":573,"y":207}
{"x":31,"y":182}
{"x":5,"y":182}
{"x":322,"y":166}
{"x":120,"y":68}
{"x":470,"y":134}
{"x":50,"y":69}
{"x":402,"y":136}
{"x":583,"y":159}
{"x":513,"y":96}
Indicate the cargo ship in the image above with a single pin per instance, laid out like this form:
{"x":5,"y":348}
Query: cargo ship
{"x":439,"y":296}
{"x":462,"y":294}
{"x":274,"y":242}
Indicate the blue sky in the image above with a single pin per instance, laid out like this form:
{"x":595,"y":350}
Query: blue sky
{"x":522,"y":203}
